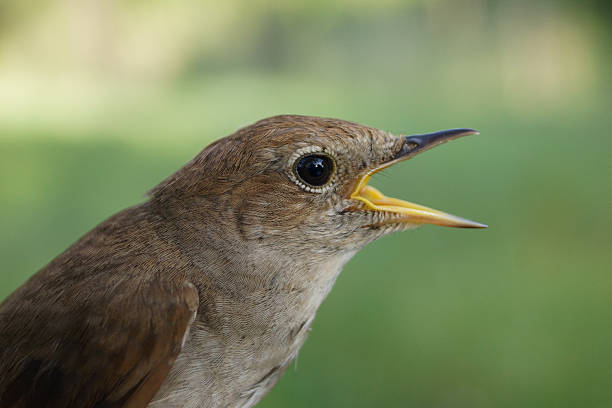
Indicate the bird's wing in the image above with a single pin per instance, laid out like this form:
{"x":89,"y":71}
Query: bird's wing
{"x":114,"y":350}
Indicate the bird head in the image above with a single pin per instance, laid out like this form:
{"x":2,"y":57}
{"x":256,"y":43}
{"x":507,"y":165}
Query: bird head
{"x":301,"y":183}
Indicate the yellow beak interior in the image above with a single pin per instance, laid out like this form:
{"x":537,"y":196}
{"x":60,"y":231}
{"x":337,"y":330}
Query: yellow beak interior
{"x":408,"y":212}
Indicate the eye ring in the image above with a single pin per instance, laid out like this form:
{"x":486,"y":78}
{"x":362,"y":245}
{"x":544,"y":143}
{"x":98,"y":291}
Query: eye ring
{"x":314,"y":171}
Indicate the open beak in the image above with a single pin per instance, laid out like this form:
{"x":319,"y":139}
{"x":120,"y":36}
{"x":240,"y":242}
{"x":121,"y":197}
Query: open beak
{"x":404,"y":211}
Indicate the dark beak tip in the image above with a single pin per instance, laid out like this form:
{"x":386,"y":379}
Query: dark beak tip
{"x":465,"y":132}
{"x":415,"y":144}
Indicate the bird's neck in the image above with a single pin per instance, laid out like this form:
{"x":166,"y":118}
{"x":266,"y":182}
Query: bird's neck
{"x":254,"y":297}
{"x":265,"y":283}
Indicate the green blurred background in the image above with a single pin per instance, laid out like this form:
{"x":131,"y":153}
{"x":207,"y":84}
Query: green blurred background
{"x":101,"y":99}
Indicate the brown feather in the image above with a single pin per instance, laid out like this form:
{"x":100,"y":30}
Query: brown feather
{"x":100,"y":326}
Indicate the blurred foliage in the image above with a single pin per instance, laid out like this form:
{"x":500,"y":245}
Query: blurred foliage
{"x":100,"y":100}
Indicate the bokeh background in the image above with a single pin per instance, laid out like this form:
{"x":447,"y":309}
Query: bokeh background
{"x":101,"y":99}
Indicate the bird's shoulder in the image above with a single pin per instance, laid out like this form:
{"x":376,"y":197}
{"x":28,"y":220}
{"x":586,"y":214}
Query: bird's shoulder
{"x":99,"y":326}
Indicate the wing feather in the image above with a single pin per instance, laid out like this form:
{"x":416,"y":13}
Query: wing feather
{"x":114,"y":349}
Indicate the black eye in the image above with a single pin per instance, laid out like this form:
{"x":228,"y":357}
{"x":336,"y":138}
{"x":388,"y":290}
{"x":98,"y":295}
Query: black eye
{"x":315,"y":170}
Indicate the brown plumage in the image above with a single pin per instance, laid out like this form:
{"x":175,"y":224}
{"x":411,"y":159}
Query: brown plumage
{"x":203,"y":295}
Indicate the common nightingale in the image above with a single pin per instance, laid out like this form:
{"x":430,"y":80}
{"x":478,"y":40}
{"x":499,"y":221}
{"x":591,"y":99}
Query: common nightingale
{"x":203,"y":295}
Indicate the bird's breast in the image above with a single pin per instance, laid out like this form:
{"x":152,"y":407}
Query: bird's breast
{"x":239,"y":346}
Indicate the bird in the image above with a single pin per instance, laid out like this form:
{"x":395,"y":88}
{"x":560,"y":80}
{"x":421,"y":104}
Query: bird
{"x":203,"y":294}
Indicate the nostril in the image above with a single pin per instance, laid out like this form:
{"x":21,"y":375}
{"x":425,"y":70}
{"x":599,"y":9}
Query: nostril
{"x":408,"y":146}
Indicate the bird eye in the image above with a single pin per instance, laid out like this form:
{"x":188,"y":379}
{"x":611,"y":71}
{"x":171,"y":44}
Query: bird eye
{"x":315,"y":170}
